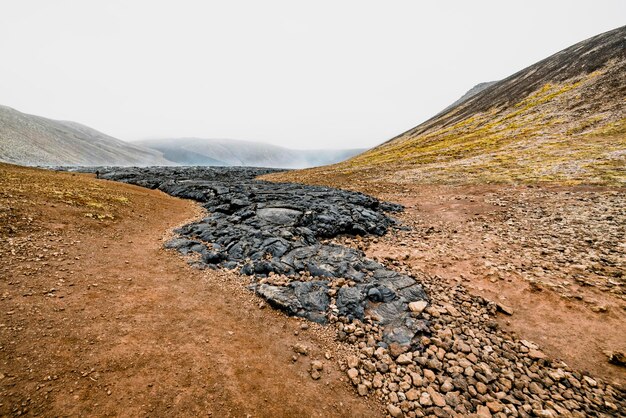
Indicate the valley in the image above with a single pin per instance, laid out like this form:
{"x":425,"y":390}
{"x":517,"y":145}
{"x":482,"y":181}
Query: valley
{"x":471,"y":266}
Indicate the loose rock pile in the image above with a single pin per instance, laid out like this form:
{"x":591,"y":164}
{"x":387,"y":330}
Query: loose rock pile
{"x":467,"y":366}
{"x":273,"y":232}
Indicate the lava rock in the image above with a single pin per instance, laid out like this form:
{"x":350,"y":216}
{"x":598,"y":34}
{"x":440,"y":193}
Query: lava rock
{"x":265,"y":229}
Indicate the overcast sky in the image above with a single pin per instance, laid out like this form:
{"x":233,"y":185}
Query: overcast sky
{"x":336,"y":74}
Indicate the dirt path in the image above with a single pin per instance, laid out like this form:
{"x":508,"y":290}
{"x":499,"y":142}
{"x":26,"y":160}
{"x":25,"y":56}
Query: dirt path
{"x":97,"y":319}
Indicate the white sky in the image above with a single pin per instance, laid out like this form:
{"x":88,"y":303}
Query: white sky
{"x":335,"y":74}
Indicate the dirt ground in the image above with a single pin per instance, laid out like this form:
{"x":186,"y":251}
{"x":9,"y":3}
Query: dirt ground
{"x":553,"y":256}
{"x":96,"y":319}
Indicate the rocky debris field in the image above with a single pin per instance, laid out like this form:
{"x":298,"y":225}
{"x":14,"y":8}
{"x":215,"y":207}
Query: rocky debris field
{"x":459,"y":362}
{"x":468,"y":366}
{"x":274,"y":233}
{"x":579,"y":238}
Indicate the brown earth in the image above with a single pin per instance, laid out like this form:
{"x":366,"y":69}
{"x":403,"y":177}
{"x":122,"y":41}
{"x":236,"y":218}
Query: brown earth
{"x":554,"y":255}
{"x":97,"y":319}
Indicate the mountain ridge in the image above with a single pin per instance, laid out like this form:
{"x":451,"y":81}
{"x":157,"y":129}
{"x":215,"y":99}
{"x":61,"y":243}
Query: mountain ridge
{"x":561,"y":119}
{"x":27,"y":139}
{"x":35,"y":140}
{"x":233,"y":152}
{"x":470,"y":93}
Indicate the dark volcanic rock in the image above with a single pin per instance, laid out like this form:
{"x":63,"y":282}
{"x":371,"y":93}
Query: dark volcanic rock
{"x":266,"y":229}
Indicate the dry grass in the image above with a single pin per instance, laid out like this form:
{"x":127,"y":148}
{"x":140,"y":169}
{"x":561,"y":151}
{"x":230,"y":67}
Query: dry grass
{"x":23,"y":190}
{"x":561,"y":133}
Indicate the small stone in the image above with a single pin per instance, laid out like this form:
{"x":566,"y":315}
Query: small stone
{"x":483,"y":411}
{"x":447,"y":386}
{"x":418,"y":307}
{"x":481,"y":388}
{"x":535,"y":388}
{"x":436,"y":397}
{"x":317,"y":365}
{"x":556,"y":375}
{"x":452,"y":310}
{"x":393,"y":397}
{"x":591,"y":382}
{"x":405,"y":359}
{"x":362,"y":390}
{"x":599,"y":308}
{"x":396,"y":349}
{"x":416,"y":379}
{"x":394,"y":411}
{"x":453,"y":399}
{"x":301,"y":349}
{"x":425,"y":399}
{"x":504,"y":309}
{"x":546,"y":413}
{"x":528,"y":344}
{"x":536,"y":354}
{"x":353,"y":373}
{"x":353,"y":361}
{"x":495,"y":407}
{"x":617,"y":357}
{"x":413,"y":394}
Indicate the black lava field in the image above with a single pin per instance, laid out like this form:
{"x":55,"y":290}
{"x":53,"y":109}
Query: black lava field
{"x":264,"y":229}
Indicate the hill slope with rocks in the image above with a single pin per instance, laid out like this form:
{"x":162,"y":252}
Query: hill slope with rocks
{"x":35,"y":140}
{"x":562,"y":119}
{"x":229,"y":152}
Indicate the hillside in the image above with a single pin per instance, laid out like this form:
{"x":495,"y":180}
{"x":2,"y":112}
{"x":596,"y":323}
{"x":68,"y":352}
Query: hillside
{"x":228,"y":152}
{"x":470,"y":93}
{"x":34,"y":140}
{"x":562,"y":119}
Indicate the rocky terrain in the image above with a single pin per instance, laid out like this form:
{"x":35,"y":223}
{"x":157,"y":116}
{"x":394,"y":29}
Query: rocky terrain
{"x":493,"y":288}
{"x":459,"y":360}
{"x":98,"y":319}
{"x":275,"y":232}
{"x":562,"y":119}
{"x":34,"y":140}
{"x":230,"y":152}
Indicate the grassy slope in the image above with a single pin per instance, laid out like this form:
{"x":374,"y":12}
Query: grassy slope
{"x":562,"y":120}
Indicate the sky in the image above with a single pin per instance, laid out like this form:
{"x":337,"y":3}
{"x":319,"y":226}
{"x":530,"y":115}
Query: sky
{"x":301,"y":74}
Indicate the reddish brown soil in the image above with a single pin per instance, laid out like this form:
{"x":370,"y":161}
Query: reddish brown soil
{"x":96,"y":319}
{"x":448,"y":240}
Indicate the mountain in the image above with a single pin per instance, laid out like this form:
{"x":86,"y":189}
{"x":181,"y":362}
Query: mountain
{"x":34,"y":140}
{"x":562,"y":119}
{"x":470,"y":93}
{"x":228,"y":152}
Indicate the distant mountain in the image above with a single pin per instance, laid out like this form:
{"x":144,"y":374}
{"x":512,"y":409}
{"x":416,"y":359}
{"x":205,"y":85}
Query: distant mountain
{"x":34,"y":140}
{"x":562,"y":119}
{"x":229,"y":152}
